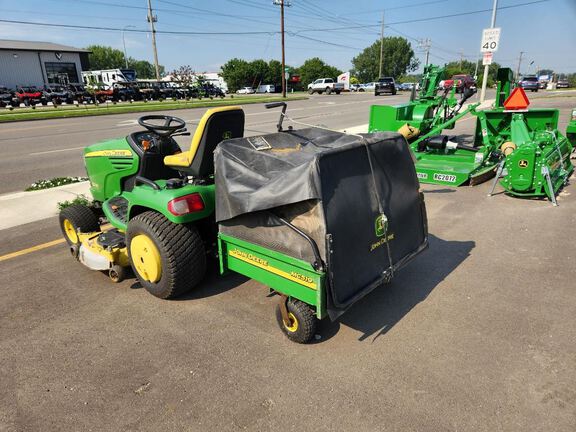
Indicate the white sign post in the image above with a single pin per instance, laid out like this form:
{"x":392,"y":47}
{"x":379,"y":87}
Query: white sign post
{"x":490,"y":40}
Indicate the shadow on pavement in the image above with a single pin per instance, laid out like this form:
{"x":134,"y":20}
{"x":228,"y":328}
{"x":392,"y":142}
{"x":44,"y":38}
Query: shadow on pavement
{"x":440,"y":191}
{"x":379,"y":311}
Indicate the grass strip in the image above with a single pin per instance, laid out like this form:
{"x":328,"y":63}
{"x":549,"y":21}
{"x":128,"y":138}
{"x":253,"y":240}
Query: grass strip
{"x":25,"y":114}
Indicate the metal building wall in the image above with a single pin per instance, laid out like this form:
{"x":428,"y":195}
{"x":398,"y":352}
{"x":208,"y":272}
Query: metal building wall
{"x":20,"y":68}
{"x":27,"y":67}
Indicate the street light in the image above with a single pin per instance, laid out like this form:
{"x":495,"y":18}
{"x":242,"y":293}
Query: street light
{"x":124,"y":43}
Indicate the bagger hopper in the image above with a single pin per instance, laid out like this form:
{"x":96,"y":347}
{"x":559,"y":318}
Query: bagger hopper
{"x":522,"y":145}
{"x":320,"y":217}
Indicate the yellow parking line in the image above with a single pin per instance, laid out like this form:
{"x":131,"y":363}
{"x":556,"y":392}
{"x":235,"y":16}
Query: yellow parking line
{"x":31,"y":249}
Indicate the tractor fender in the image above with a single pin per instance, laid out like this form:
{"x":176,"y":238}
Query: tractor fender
{"x":422,"y":112}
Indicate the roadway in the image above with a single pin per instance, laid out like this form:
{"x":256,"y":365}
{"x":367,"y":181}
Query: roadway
{"x":477,"y":334}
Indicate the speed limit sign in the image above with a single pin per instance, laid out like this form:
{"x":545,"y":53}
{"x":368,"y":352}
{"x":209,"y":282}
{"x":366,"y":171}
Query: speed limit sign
{"x":490,"y":40}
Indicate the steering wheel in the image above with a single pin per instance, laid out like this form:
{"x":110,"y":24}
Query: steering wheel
{"x":162,"y":125}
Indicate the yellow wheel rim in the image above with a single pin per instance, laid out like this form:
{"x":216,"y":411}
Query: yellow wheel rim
{"x":70,"y":231}
{"x":293,"y":327}
{"x":146,"y":258}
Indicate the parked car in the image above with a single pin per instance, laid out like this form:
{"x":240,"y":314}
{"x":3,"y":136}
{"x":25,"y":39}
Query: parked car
{"x":266,"y":88}
{"x":7,"y":97}
{"x":246,"y":90}
{"x":369,"y":86}
{"x":325,"y":85}
{"x":354,"y":87}
{"x":542,"y":84}
{"x":562,"y":84}
{"x":529,"y":83}
{"x":385,"y":85}
{"x":461,"y":81}
{"x":30,"y":96}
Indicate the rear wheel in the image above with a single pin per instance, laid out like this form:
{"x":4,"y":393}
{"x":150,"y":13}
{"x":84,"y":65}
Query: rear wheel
{"x":301,"y":327}
{"x":76,"y":218}
{"x":169,"y":259}
{"x":328,"y":90}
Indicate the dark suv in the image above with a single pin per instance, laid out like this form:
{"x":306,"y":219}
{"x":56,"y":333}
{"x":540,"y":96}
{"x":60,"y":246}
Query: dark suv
{"x":385,"y":85}
{"x":529,"y":83}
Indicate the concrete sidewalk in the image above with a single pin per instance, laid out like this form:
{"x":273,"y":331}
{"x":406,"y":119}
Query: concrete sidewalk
{"x":24,"y":207}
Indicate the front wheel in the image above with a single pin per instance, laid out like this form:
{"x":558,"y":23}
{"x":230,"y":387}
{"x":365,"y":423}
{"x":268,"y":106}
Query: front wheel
{"x":77,"y":218}
{"x":169,"y":259}
{"x":310,"y":91}
{"x":337,"y":92}
{"x":302,"y":321}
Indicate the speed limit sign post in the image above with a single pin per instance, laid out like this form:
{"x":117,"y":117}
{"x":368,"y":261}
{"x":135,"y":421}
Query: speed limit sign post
{"x":490,"y":40}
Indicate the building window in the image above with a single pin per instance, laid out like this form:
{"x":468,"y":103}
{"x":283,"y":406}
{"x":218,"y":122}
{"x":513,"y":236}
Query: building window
{"x":61,"y":73}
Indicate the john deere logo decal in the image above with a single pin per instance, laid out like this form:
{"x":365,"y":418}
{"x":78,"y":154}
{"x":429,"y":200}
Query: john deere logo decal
{"x":227,"y":135}
{"x":523,"y":163}
{"x":381,"y":225}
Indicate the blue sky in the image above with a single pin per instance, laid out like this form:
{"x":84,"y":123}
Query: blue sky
{"x":545,"y":31}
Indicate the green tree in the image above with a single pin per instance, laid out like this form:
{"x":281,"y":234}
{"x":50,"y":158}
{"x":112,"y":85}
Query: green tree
{"x":398,"y":58}
{"x":315,"y":68}
{"x":274,"y":73}
{"x":236,"y":73}
{"x":457,"y":67}
{"x":103,"y":57}
{"x":144,"y":69}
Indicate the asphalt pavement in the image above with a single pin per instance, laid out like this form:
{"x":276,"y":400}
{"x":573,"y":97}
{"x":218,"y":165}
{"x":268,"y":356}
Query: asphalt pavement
{"x":477,"y":334}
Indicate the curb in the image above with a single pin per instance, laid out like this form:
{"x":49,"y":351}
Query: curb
{"x":24,"y":207}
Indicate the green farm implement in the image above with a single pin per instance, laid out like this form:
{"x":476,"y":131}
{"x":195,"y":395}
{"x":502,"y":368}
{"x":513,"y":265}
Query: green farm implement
{"x":521,"y":146}
{"x":322,"y":218}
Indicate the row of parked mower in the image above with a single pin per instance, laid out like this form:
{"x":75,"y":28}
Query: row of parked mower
{"x":73,"y":93}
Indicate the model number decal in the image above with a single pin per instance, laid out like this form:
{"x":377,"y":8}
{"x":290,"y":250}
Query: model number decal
{"x":445,"y":177}
{"x":422,"y":176}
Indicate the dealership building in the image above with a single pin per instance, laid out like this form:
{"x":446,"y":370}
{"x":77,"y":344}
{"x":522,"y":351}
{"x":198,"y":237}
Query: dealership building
{"x":29,"y":63}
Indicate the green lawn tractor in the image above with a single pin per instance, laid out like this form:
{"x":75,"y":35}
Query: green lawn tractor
{"x":322,"y":218}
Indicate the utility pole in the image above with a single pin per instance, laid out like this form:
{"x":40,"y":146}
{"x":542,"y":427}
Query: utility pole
{"x":152,"y":19}
{"x":381,"y":47}
{"x":281,"y":3}
{"x":461,"y":59}
{"x":519,"y":63}
{"x":425,"y":44}
{"x":487,"y":67}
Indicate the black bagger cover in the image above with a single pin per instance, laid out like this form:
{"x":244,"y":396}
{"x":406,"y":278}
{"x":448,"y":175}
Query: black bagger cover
{"x":334,"y":187}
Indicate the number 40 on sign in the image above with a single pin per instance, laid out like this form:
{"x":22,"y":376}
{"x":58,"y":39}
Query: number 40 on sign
{"x":490,"y":40}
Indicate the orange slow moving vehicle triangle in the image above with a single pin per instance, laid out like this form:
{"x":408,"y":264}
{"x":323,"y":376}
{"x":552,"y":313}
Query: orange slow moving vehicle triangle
{"x":517,"y":100}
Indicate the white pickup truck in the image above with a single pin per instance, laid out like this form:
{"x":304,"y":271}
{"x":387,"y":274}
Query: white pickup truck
{"x":326,"y":85}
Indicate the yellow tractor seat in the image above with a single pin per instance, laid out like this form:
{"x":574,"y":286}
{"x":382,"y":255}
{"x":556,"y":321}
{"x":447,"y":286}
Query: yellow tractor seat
{"x":216,"y":125}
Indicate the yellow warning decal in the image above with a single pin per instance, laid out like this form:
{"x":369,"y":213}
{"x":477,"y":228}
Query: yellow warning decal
{"x":109,"y":153}
{"x":301,"y":279}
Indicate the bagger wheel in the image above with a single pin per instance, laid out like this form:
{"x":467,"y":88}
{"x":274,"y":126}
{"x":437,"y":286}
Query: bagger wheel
{"x":168,"y":258}
{"x":77,"y":217}
{"x":303,"y":321}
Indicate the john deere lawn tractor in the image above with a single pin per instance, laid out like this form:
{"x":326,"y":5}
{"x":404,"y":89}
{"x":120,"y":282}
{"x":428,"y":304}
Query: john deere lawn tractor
{"x":320,"y":217}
